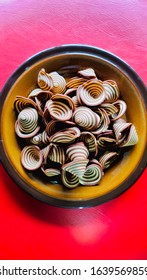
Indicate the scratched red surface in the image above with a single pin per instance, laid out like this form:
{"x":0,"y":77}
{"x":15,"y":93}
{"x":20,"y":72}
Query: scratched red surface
{"x":30,"y":229}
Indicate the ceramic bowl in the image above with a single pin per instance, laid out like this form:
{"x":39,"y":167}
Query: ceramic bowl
{"x":107,"y":66}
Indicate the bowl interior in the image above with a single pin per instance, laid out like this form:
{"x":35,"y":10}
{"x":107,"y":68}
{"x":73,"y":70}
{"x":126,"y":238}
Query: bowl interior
{"x":136,"y":114}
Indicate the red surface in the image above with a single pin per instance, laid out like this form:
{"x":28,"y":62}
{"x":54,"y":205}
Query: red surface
{"x":29,"y":228}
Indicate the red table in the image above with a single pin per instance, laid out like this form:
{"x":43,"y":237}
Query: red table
{"x":29,"y":228}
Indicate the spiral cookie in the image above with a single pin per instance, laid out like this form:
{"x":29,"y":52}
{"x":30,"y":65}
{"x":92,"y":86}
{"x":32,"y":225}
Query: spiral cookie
{"x":104,"y":121}
{"x":21,"y":103}
{"x":105,"y":142}
{"x":90,"y":142}
{"x":75,"y":82}
{"x":91,"y":93}
{"x":87,"y":73}
{"x":42,"y":95}
{"x":26,"y":125}
{"x":92,"y":175}
{"x":56,"y":153}
{"x":111,"y":91}
{"x":69,"y":180}
{"x":59,"y":83}
{"x":125,"y":133}
{"x":31,"y":157}
{"x":121,"y":106}
{"x":40,"y":139}
{"x":77,"y":151}
{"x":76,"y":167}
{"x":110,"y":109}
{"x":60,"y":107}
{"x":67,"y":135}
{"x":107,"y":159}
{"x":45,"y":81}
{"x":51,"y":172}
{"x":86,"y":119}
{"x":55,"y":126}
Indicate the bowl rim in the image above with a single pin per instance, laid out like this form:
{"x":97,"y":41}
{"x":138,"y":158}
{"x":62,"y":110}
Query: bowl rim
{"x":74,"y":49}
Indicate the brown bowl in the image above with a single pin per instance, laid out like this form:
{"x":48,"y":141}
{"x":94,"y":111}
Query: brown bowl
{"x":107,"y":66}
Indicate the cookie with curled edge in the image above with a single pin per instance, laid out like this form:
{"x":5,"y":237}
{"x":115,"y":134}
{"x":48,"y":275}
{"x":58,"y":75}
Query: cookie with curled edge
{"x":31,"y":157}
{"x":26,"y":125}
{"x":60,"y":107}
{"x":91,"y":93}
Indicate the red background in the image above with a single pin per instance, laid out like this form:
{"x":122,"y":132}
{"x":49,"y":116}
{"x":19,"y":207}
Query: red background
{"x":30,"y":229}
